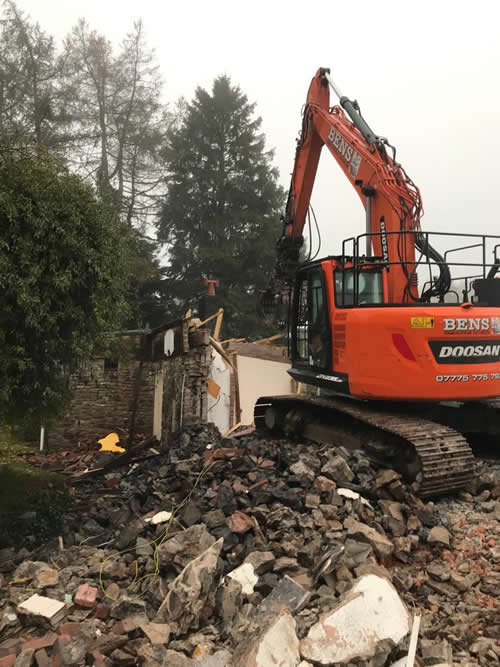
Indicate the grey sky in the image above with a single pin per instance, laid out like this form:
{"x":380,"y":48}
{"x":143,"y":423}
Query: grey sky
{"x":425,"y":74}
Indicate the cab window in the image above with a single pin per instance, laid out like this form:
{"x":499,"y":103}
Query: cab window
{"x":369,"y":289}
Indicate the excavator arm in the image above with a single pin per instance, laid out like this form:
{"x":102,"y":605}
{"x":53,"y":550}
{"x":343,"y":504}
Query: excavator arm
{"x":391,"y":200}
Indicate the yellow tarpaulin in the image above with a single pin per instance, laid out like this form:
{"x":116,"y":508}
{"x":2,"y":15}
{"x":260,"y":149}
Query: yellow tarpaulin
{"x":108,"y":444}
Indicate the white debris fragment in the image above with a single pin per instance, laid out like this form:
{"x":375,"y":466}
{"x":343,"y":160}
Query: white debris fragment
{"x":353,"y":495}
{"x":245,"y":575}
{"x":402,"y":662}
{"x":276,"y":645}
{"x":39,"y":605}
{"x":369,"y":613}
{"x":159,"y":517}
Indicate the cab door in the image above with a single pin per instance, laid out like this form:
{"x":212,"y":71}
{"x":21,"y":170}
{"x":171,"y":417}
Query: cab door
{"x":311,"y":336}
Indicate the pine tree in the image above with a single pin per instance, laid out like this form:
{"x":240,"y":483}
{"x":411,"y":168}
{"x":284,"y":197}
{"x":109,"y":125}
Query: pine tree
{"x":29,"y":82}
{"x":220,"y":217}
{"x":118,"y":120}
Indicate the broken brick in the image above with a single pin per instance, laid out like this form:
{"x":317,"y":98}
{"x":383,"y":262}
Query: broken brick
{"x":10,"y":647}
{"x":98,"y":659}
{"x":8,"y":660}
{"x":71,"y":629}
{"x":86,"y":595}
{"x":40,"y":642}
{"x":324,"y":484}
{"x":222,"y":453}
{"x":102,"y":611}
{"x":240,"y":523}
{"x":126,"y":625}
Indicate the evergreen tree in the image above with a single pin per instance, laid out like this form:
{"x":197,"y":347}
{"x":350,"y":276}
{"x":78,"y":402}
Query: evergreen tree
{"x":118,"y":122}
{"x":63,"y":257}
{"x":30,"y":69}
{"x":220,"y":217}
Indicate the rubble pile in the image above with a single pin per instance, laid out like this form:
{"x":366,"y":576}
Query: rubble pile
{"x":252,"y":552}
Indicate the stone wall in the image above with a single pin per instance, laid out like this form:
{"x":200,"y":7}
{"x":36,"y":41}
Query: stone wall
{"x":103,"y":390}
{"x":102,"y":401}
{"x":185,"y":387}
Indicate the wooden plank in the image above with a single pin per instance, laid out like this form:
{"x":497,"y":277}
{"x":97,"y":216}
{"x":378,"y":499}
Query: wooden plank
{"x":269,"y":339}
{"x":412,"y":649}
{"x":217,"y":346}
{"x":255,"y":351}
{"x":246,"y":431}
{"x":198,"y":323}
{"x":237,"y":402}
{"x":233,"y":428}
{"x":218,"y":324}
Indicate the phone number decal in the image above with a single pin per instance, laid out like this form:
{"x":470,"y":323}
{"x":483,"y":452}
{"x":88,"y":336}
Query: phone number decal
{"x":474,"y":377}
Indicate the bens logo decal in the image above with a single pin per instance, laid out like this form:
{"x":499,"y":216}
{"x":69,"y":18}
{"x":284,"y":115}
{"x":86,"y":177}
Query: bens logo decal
{"x":348,"y":153}
{"x":468,"y":325}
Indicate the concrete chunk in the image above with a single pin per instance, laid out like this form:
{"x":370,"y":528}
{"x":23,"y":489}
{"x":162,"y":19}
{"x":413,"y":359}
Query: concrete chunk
{"x":286,"y":594}
{"x":381,"y":544}
{"x":262,"y":561}
{"x":246,"y":577}
{"x":191,"y":590}
{"x":276,"y":644}
{"x":370,"y":613}
{"x":220,"y":659}
{"x":439,"y":535}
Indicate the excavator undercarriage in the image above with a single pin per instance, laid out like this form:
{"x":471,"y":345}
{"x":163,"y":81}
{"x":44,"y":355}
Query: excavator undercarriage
{"x":436,"y":457}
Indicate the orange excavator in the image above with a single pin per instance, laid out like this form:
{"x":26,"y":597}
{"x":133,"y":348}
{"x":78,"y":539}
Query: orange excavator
{"x":401,"y":339}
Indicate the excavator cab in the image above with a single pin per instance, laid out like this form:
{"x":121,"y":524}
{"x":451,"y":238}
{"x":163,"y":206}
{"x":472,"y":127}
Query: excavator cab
{"x":322,"y":291}
{"x":347,"y":334}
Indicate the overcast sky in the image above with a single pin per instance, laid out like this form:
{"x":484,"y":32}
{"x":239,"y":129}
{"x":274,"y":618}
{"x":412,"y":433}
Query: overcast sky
{"x":425,"y":74}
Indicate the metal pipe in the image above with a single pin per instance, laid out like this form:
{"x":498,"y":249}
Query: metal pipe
{"x":42,"y":438}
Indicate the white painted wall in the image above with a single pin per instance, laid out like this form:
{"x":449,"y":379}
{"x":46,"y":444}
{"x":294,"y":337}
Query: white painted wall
{"x":219,"y":408}
{"x":260,"y":377}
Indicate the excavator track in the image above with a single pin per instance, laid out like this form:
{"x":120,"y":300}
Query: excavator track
{"x":435,"y":456}
{"x":471,"y":418}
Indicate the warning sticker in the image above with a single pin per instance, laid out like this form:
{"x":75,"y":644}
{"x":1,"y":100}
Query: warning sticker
{"x":422,"y":322}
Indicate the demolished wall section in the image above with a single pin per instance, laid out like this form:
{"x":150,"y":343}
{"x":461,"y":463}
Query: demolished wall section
{"x":102,"y":401}
{"x":103,"y":391}
{"x":185,"y":399}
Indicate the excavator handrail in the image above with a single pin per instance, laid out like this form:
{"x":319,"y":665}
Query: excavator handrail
{"x":483,"y":268}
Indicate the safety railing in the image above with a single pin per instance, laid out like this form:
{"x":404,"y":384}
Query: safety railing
{"x":473,"y":257}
